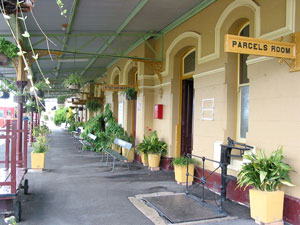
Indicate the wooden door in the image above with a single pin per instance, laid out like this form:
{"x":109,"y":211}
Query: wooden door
{"x":187,"y":116}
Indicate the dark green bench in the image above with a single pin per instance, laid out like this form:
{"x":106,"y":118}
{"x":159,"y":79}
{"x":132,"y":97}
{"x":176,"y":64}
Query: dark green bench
{"x":118,"y":155}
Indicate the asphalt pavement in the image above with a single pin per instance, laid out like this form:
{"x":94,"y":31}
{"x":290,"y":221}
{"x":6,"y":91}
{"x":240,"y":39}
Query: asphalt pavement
{"x":76,"y":188}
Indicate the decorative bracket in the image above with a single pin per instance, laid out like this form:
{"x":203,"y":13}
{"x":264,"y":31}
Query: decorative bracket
{"x":294,"y":64}
{"x":156,"y":67}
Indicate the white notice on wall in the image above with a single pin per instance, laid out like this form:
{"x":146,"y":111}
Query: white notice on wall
{"x":208,"y":109}
{"x":120,"y":114}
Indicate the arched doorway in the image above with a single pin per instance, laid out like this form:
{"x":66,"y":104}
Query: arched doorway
{"x":187,"y":101}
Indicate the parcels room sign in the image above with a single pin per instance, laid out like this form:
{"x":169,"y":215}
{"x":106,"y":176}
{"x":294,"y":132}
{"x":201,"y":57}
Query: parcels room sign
{"x":256,"y":46}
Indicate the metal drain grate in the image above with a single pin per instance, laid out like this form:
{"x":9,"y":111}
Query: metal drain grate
{"x":181,"y":208}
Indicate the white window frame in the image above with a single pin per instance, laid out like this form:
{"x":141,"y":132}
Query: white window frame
{"x":239,"y":98}
{"x":184,"y":56}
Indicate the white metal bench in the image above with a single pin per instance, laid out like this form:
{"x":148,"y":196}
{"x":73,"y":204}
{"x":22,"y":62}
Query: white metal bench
{"x":118,"y":155}
{"x":88,"y":142}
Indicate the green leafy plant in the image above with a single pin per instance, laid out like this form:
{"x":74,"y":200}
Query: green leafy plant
{"x":60,"y":116}
{"x":93,"y":105}
{"x":8,"y":48}
{"x":40,"y":131}
{"x":40,"y":146}
{"x":152,"y":145}
{"x":182,"y":161}
{"x":265,"y":174}
{"x":130,"y":93}
{"x":41,"y":85}
{"x":73,"y":79}
{"x":8,"y":86}
{"x":61,"y":99}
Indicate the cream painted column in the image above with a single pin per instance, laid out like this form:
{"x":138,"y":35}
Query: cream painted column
{"x":144,"y":114}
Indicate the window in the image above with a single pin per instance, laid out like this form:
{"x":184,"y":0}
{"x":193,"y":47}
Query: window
{"x":189,"y":62}
{"x":243,"y":92}
{"x":1,"y":114}
{"x":8,"y":114}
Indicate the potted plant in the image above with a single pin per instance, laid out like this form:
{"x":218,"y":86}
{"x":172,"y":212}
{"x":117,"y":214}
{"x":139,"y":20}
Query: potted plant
{"x":6,"y":87}
{"x":20,"y":97}
{"x":38,"y":154}
{"x":8,"y":51}
{"x":93,"y":105}
{"x":130,"y":93}
{"x":40,"y":86}
{"x":61,"y":99}
{"x":155,"y":149}
{"x":180,"y":169}
{"x":142,"y":150}
{"x":74,"y":81}
{"x":265,"y":175}
{"x":130,"y":139}
{"x":31,"y":105}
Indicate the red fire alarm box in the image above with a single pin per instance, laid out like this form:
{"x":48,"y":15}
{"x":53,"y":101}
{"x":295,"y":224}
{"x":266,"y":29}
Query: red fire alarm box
{"x":158,"y":111}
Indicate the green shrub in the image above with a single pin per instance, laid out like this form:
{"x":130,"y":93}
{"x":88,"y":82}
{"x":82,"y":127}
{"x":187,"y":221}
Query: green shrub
{"x":40,"y":146}
{"x":152,"y":145}
{"x":60,"y":116}
{"x":182,"y":161}
{"x":265,"y":174}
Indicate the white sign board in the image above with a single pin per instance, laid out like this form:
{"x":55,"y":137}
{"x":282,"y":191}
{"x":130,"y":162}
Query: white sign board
{"x":208,"y":109}
{"x":121,"y":114}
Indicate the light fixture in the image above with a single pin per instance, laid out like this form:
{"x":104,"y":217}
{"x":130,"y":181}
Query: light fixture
{"x":72,"y":60}
{"x":64,"y":26}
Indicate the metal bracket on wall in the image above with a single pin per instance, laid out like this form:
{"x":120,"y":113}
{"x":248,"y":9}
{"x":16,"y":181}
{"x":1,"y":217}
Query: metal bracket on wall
{"x":294,"y":64}
{"x":156,"y":67}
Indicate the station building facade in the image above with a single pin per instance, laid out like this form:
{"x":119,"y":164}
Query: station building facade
{"x":208,"y":94}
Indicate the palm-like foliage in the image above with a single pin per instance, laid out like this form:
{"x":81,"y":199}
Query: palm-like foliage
{"x":152,"y":145}
{"x":265,"y":174}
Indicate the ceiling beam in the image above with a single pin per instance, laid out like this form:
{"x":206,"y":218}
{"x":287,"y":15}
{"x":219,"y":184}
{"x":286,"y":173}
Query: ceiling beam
{"x":119,"y":30}
{"x":69,"y":28}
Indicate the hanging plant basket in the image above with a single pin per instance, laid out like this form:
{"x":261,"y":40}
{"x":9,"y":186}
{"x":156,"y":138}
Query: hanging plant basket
{"x":19,"y":99}
{"x":132,"y":96}
{"x":4,"y":94}
{"x":73,"y":87}
{"x":40,"y":93}
{"x":4,"y":60}
{"x":33,"y":109}
{"x":10,"y":6}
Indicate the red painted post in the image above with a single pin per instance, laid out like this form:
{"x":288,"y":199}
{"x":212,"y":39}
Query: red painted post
{"x":7,"y":144}
{"x":31,"y":129}
{"x":13,"y":163}
{"x":25,"y":143}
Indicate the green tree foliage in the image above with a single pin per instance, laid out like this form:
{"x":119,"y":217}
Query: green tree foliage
{"x":60,"y":116}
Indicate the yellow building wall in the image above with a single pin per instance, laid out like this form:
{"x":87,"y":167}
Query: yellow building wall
{"x":274,"y":91}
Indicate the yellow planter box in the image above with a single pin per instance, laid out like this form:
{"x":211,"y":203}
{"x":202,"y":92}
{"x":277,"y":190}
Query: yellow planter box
{"x":37,"y":160}
{"x":130,"y":155}
{"x":180,"y":173}
{"x":153,"y":160}
{"x":266,"y":207}
{"x":144,"y":158}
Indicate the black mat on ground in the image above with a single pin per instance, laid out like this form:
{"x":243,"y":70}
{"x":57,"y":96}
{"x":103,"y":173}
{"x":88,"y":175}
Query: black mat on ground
{"x":182,"y":208}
